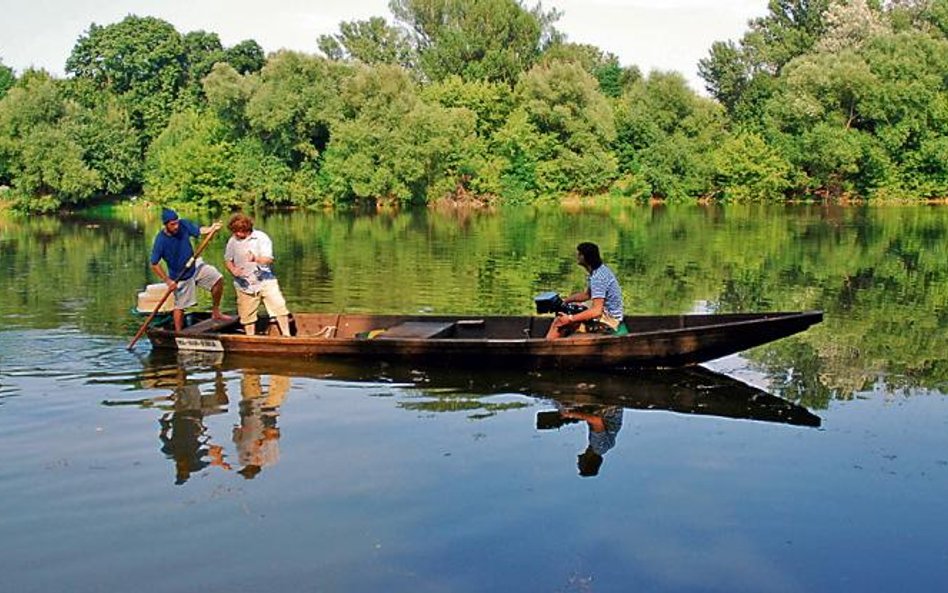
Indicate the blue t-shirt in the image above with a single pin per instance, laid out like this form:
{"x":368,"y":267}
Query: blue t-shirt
{"x":176,"y":249}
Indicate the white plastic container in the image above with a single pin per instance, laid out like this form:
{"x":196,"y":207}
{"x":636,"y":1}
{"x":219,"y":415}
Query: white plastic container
{"x":153,"y":293}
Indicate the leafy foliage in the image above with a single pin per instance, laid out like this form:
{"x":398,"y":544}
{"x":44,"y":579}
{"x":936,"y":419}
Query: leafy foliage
{"x":56,"y":152}
{"x":574,"y":126}
{"x":393,"y":146}
{"x":487,"y":101}
{"x":372,"y":42}
{"x":189,"y":163}
{"x":664,"y":134}
{"x":493,"y":40}
{"x":7,"y":78}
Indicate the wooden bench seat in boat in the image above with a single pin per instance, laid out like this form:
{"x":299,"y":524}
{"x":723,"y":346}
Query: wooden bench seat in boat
{"x":419,"y":329}
{"x":210,"y":326}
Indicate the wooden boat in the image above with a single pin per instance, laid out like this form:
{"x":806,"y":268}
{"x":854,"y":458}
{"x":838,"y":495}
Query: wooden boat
{"x":482,"y":341}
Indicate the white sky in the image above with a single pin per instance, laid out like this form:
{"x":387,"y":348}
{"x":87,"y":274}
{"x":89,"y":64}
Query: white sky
{"x":651,"y":34}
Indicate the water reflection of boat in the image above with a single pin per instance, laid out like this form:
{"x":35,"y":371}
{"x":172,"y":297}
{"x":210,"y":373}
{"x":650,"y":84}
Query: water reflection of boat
{"x":516,"y":342}
{"x":693,"y":390}
{"x":198,"y":389}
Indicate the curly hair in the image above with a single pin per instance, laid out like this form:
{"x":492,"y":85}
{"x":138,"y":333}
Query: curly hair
{"x":240,"y":222}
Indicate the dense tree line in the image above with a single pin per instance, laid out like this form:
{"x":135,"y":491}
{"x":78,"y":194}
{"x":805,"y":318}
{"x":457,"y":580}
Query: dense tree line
{"x":485,"y":101}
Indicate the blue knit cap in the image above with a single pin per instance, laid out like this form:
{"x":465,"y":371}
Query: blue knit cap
{"x":167,"y":215}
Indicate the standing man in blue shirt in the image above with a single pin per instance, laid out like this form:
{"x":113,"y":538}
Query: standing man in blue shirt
{"x":173,"y":245}
{"x":605,"y":312}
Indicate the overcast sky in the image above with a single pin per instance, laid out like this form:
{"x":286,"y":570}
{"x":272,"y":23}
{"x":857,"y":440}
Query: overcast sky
{"x":651,"y":34}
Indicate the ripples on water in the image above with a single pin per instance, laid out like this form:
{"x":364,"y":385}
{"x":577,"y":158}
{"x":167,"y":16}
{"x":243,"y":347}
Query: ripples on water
{"x":61,"y":352}
{"x":391,"y":479}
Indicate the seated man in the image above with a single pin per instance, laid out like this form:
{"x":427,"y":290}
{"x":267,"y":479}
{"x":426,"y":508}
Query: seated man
{"x":249,"y":257}
{"x":173,"y":245}
{"x":605,"y":311}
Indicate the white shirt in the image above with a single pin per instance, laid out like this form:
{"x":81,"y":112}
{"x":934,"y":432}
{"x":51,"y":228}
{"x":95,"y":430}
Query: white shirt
{"x":252,"y":273}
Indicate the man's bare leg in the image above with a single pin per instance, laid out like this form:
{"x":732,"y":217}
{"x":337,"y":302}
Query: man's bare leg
{"x":217,"y":291}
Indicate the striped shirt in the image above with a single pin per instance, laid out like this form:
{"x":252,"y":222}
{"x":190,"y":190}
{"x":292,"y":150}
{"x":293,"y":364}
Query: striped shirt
{"x":604,"y":285}
{"x":600,"y":442}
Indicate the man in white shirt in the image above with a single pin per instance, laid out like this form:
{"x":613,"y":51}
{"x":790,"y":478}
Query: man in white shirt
{"x":249,"y":257}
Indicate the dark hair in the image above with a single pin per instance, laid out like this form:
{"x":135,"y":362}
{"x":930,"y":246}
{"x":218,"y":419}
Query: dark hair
{"x":590,"y":253}
{"x":589,"y":463}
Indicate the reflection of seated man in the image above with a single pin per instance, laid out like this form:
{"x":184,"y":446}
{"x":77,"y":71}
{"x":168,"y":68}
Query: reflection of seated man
{"x":183,"y":435}
{"x":257,"y":436}
{"x":604,"y":423}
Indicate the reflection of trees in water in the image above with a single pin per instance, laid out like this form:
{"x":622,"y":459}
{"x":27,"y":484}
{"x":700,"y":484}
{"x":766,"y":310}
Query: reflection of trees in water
{"x":476,"y":405}
{"x":880,"y":274}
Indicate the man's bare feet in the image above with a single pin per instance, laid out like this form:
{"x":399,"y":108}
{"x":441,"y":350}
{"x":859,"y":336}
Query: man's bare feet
{"x":220,"y":316}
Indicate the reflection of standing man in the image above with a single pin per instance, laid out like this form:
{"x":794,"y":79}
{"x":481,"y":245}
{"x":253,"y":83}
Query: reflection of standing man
{"x":604,"y":423}
{"x":257,"y":436}
{"x":183,"y":435}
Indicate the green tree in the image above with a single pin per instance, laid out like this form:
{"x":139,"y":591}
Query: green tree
{"x":372,"y":42}
{"x":789,"y":29}
{"x":491,"y":102}
{"x":52,"y":172}
{"x":930,"y":16}
{"x":228,"y":93}
{"x":393,"y":147}
{"x":908,"y":110}
{"x":39,"y":157}
{"x":294,"y":101}
{"x":245,"y":57}
{"x":665,"y":134}
{"x":495,"y":40}
{"x":201,"y":50}
{"x":855,"y":120}
{"x":560,"y":139}
{"x":738,"y":75}
{"x":190,"y":163}
{"x":109,"y":145}
{"x":140,"y":59}
{"x":727,"y":73}
{"x":747,"y":168}
{"x":604,"y":66}
{"x":7,"y":78}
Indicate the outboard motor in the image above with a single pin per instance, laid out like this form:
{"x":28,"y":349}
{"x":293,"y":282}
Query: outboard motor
{"x":551,"y":302}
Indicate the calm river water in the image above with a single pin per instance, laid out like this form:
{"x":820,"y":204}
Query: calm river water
{"x":817,"y":463}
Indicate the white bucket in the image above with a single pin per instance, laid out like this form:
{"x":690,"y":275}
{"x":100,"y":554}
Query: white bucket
{"x":153,"y":293}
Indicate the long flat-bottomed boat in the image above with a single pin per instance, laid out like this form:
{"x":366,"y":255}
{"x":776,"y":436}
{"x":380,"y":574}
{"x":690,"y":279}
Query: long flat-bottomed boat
{"x":506,"y":341}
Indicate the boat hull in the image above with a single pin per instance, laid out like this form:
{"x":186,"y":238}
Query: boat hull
{"x":653,"y":341}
